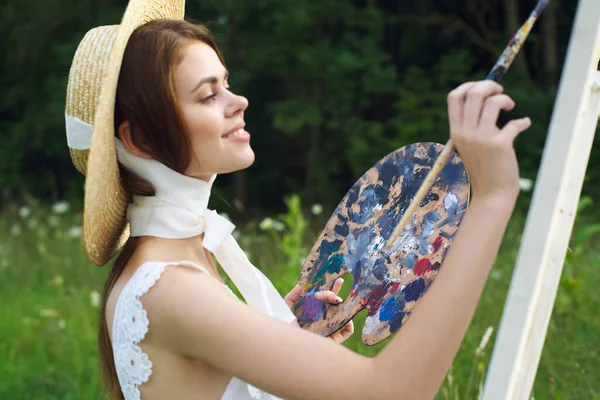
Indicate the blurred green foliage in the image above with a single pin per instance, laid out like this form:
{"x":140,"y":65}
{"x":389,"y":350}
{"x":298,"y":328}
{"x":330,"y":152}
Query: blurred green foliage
{"x":333,"y":86}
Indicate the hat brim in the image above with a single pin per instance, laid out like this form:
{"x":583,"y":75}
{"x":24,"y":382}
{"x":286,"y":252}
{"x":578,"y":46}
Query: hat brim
{"x":105,"y":201}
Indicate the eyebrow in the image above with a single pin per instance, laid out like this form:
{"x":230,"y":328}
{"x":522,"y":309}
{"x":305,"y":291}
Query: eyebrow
{"x":211,"y":79}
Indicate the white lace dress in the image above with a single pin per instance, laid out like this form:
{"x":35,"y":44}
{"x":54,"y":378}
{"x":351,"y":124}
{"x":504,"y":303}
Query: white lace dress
{"x":130,"y":326}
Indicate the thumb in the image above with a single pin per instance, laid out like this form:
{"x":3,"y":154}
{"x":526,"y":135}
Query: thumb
{"x":516,"y":126}
{"x":293,"y":296}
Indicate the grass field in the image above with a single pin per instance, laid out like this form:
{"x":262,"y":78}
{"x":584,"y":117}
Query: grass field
{"x":49,"y":306}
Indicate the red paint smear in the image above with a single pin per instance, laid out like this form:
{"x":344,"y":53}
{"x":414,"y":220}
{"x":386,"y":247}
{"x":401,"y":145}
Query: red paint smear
{"x":375,"y":298}
{"x":437,"y":244}
{"x":422,"y":266}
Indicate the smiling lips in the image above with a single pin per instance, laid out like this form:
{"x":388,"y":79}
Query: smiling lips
{"x":238,"y":135}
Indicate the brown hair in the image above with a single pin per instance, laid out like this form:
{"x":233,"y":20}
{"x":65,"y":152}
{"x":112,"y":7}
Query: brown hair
{"x":147,"y":99}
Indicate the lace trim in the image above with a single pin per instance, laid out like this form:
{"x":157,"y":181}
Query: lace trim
{"x":130,"y":326}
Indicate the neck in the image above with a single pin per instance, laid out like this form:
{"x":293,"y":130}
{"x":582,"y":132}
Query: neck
{"x":159,"y":249}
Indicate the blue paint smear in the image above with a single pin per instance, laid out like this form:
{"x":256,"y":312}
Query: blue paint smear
{"x":432,"y":151}
{"x":414,"y":290}
{"x":430,"y":197}
{"x":342,"y":230}
{"x":387,"y":173}
{"x":332,"y":266}
{"x":367,"y":203}
{"x":423,"y":247}
{"x":396,"y":322}
{"x":388,"y":221}
{"x":453,"y":220}
{"x":451,"y":174}
{"x":327,"y":248}
{"x":383,"y":194}
{"x":390,"y":308}
{"x":361,"y":245}
{"x":410,"y":260}
{"x":429,"y":221}
{"x":453,"y":210}
{"x":380,"y":270}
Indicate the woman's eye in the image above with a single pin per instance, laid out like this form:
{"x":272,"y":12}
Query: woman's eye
{"x":208,"y":98}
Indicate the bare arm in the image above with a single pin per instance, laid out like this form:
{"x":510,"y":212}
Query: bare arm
{"x":431,"y":337}
{"x":193,"y":316}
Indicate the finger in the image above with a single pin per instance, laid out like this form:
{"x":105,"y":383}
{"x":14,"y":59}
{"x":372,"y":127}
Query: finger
{"x":337,"y":285}
{"x":516,"y":126}
{"x":347,"y":331}
{"x":343,"y":334}
{"x":336,"y":337}
{"x":474,"y":103}
{"x":491,"y":110}
{"x":292,"y":297}
{"x":328,"y":296}
{"x":456,"y":104}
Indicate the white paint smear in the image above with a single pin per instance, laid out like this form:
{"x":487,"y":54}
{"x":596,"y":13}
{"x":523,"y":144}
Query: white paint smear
{"x":371,"y":323}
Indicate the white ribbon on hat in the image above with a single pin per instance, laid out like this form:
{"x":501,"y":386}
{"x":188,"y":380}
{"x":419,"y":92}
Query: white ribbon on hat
{"x":179,"y":210}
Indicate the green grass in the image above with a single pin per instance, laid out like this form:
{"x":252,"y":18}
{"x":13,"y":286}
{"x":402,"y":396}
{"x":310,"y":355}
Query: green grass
{"x":48,"y":316}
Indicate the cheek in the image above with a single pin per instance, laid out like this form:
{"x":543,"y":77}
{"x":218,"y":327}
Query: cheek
{"x":204,"y":124}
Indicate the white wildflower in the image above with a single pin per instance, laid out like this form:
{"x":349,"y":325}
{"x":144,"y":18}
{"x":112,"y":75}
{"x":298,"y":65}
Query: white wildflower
{"x":95,"y":298}
{"x":450,"y":378}
{"x":41,"y":232}
{"x":75,"y":232}
{"x":278,"y":226}
{"x":484,"y":340}
{"x":52,"y":220}
{"x":60,"y":208}
{"x":62,"y":324}
{"x":16,"y":230}
{"x":222,"y":20}
{"x":32,"y":223}
{"x":316,"y":209}
{"x":266,"y":224}
{"x":525,"y":184}
{"x":48,"y":313}
{"x":495,"y":275}
{"x":24,"y":212}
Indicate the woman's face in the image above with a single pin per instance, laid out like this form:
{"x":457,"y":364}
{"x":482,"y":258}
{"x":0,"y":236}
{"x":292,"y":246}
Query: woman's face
{"x":213,"y":114}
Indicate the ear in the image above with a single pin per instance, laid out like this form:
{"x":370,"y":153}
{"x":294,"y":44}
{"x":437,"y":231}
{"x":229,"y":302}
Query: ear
{"x":124,"y":133}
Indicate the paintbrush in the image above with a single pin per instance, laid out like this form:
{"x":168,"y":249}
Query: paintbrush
{"x":495,"y":75}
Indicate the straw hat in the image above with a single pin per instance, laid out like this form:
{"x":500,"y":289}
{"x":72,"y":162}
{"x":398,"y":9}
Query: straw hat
{"x":91,"y":95}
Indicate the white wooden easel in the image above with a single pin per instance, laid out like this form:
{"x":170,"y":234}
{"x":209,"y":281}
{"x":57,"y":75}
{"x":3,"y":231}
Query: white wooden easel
{"x":549,"y":224}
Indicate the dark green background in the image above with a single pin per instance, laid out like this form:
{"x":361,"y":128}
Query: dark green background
{"x":333,"y":85}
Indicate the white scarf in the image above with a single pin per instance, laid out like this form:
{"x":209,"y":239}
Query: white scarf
{"x":179,"y":210}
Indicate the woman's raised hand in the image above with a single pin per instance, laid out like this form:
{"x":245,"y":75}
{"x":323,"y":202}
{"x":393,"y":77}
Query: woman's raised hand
{"x":486,"y":150}
{"x":330,"y":296}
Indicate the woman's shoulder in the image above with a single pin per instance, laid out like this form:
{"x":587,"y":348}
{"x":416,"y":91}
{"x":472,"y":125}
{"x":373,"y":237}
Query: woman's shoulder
{"x":149,"y":281}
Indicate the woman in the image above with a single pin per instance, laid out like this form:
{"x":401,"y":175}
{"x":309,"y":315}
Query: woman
{"x":154,"y":91}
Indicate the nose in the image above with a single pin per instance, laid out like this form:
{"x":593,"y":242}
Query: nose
{"x":237,"y":104}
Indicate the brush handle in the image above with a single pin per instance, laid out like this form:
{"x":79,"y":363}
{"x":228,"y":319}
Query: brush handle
{"x":496,"y":74}
{"x":516,"y":43}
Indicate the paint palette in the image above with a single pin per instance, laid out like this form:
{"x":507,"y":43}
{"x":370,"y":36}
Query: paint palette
{"x":387,"y":281}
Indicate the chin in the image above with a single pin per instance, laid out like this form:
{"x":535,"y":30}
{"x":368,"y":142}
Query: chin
{"x":243,"y":162}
